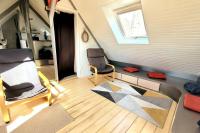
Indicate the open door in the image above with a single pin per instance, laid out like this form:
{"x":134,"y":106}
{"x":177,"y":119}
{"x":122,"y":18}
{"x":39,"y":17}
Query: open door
{"x":65,"y":44}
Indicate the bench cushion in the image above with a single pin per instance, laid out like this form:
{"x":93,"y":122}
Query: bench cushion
{"x":192,"y":102}
{"x":156,"y":75}
{"x":192,"y":87}
{"x":131,"y":69}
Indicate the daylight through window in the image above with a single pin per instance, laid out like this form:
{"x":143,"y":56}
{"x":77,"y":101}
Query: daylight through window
{"x":132,"y":24}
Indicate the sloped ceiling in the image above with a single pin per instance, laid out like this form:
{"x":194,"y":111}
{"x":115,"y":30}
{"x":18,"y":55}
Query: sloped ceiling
{"x":173,"y":28}
{"x":39,"y":6}
{"x":5,"y":4}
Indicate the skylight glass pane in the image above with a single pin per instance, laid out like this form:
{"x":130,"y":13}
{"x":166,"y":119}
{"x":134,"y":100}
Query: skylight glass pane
{"x":132,"y":24}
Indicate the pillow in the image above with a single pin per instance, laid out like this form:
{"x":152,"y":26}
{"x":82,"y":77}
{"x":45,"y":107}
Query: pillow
{"x":156,"y":75}
{"x":131,"y":69}
{"x":192,"y":87}
{"x":192,"y":102}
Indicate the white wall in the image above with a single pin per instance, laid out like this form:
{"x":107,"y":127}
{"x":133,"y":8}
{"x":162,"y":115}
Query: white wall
{"x":174,"y":31}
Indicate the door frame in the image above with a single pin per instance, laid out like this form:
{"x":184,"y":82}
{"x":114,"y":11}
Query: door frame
{"x":76,"y":60}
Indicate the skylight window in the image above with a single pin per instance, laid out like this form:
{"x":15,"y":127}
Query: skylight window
{"x":132,"y":24}
{"x":126,"y":21}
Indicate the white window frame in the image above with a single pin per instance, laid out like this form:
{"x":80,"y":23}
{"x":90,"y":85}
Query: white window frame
{"x":123,"y":29}
{"x":111,"y":12}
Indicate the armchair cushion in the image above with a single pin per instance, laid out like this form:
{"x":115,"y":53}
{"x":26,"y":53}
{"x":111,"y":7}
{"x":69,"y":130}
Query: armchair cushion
{"x":106,"y":70}
{"x":95,"y":52}
{"x":96,"y":58}
{"x":99,"y":63}
{"x":24,"y":93}
{"x":19,"y":74}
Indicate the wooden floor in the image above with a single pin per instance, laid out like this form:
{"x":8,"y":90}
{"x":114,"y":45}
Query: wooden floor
{"x":93,"y":113}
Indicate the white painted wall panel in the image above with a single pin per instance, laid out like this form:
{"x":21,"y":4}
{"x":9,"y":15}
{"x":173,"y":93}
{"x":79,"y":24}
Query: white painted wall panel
{"x":174,"y":33}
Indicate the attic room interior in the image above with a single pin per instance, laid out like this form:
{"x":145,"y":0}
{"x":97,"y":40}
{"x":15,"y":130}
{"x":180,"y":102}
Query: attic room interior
{"x":99,"y":66}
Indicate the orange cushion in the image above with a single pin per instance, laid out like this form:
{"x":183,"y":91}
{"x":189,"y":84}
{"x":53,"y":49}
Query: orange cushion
{"x":131,"y":69}
{"x":156,"y":75}
{"x":192,"y":102}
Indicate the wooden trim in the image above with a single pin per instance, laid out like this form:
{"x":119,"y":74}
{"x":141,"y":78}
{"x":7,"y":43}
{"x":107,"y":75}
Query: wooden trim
{"x":27,"y":100}
{"x":72,"y":4}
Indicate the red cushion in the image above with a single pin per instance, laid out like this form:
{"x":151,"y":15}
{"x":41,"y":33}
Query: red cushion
{"x":156,"y":75}
{"x":192,"y":102}
{"x":131,"y":69}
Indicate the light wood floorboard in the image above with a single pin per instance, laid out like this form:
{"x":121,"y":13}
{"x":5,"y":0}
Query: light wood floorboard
{"x":93,"y":113}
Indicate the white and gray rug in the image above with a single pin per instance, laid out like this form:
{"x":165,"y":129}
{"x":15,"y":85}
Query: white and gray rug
{"x":152,"y":108}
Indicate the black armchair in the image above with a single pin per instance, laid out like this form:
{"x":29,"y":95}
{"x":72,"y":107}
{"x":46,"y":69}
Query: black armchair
{"x":98,"y":65}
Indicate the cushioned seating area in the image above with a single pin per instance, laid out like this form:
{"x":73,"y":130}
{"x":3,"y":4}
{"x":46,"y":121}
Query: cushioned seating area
{"x":193,"y":87}
{"x":185,"y":120}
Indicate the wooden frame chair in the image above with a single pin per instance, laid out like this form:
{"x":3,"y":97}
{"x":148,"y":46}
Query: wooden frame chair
{"x":5,"y":102}
{"x":98,"y":65}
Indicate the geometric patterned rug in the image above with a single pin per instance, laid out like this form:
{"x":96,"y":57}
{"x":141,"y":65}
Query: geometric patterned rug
{"x":151,"y":106}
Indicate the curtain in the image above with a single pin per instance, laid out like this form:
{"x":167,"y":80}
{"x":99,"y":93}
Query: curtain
{"x":65,"y":44}
{"x":24,"y":8}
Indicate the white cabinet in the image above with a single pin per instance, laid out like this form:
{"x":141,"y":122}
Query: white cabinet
{"x":118,"y":75}
{"x":149,"y":84}
{"x":129,"y":79}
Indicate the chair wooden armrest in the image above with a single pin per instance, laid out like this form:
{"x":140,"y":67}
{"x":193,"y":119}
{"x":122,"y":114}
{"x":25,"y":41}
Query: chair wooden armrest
{"x":2,"y":94}
{"x":44,"y":80}
{"x":112,"y":67}
{"x":47,"y":84}
{"x":3,"y":107}
{"x":95,"y":69}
